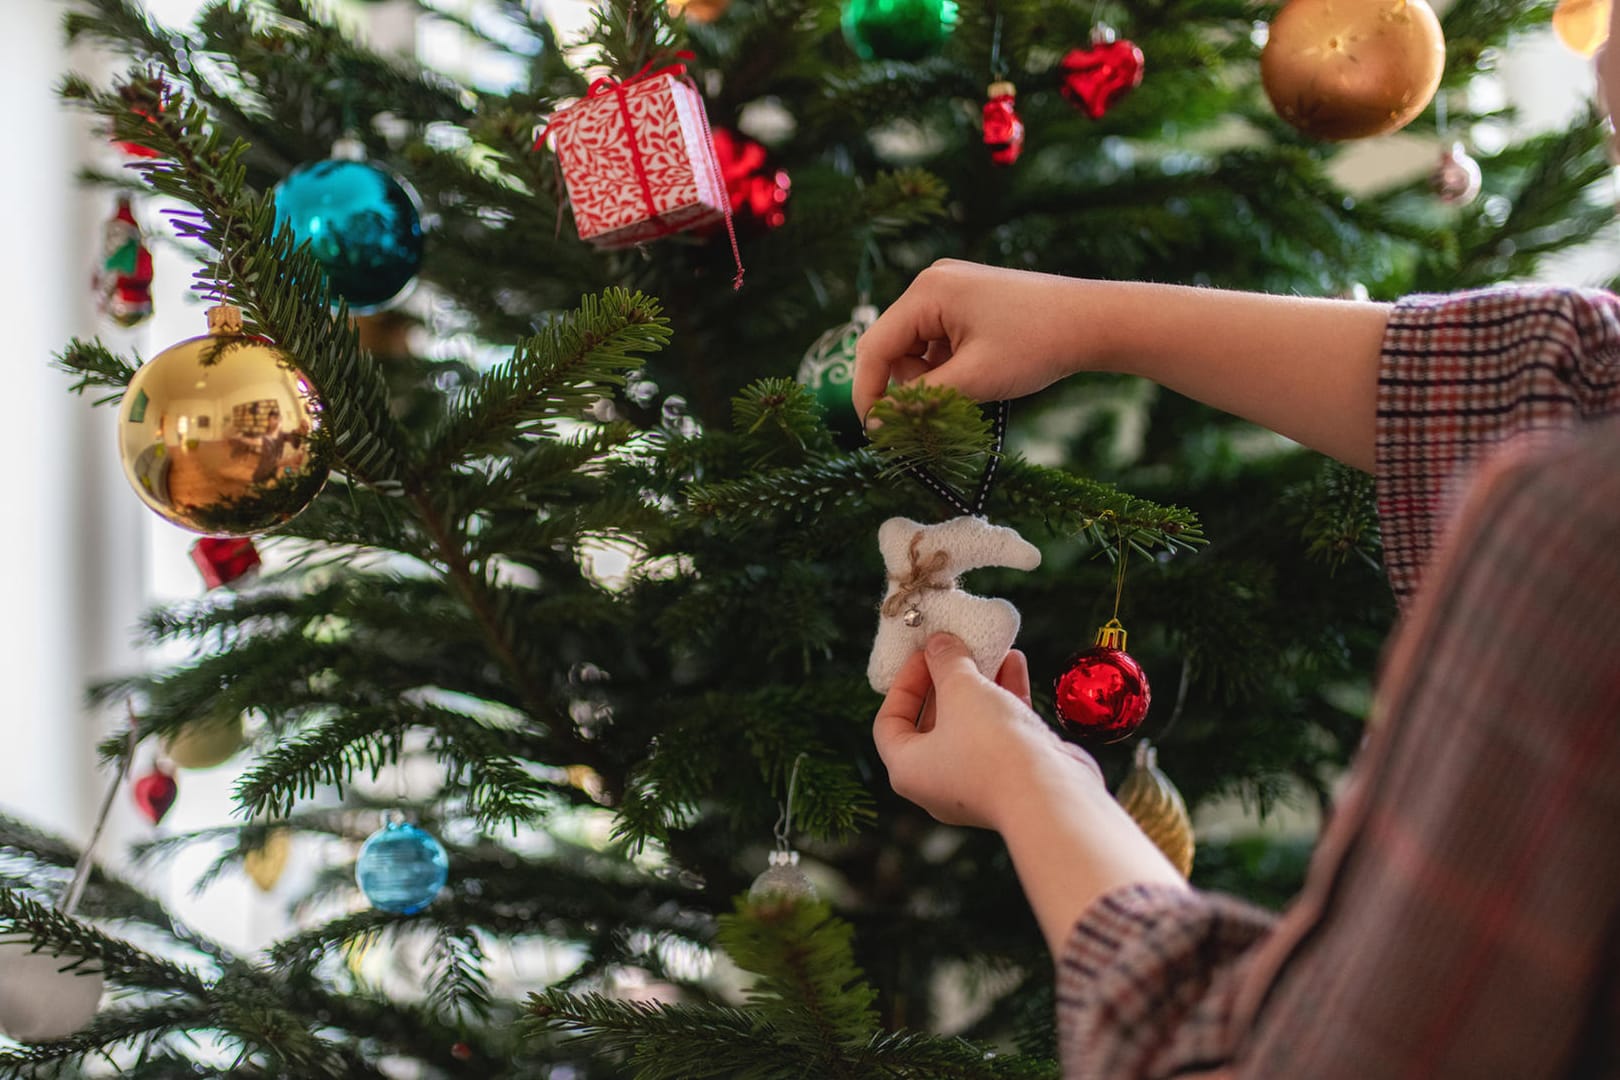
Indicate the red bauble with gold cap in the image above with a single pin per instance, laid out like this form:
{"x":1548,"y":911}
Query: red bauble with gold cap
{"x":1103,"y":693}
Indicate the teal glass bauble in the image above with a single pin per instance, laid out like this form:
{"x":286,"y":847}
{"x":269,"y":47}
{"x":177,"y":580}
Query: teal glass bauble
{"x":401,"y":868}
{"x":362,"y":225}
{"x":897,"y":29}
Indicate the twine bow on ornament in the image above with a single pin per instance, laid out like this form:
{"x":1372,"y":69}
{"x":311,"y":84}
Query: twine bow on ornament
{"x":918,"y":579}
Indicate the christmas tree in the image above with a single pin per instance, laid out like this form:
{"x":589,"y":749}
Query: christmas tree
{"x":616,"y":754}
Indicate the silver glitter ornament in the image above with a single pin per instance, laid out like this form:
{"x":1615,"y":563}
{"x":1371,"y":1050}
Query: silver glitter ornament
{"x":1456,"y":180}
{"x":783,"y":879}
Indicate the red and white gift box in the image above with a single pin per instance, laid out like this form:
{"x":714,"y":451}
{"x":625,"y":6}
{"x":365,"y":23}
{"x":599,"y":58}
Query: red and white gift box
{"x":639,"y":160}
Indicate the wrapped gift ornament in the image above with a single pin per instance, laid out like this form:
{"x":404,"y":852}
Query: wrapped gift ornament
{"x":639,"y":160}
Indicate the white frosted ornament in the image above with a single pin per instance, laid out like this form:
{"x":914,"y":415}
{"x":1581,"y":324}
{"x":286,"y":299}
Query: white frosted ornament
{"x":923,"y":598}
{"x":41,"y":1002}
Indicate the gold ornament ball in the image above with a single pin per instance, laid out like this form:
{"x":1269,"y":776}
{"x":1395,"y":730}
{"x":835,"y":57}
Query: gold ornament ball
{"x":1349,"y":69}
{"x":702,"y":11}
{"x":220,"y":434}
{"x":1582,"y":25}
{"x":206,"y":743}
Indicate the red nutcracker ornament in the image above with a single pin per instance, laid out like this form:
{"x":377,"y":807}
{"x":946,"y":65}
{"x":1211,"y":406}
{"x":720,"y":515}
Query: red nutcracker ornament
{"x":124,"y":280}
{"x":751,"y":185}
{"x":1003,"y":130}
{"x":224,"y":559}
{"x":1103,"y":694}
{"x":154,"y":793}
{"x":1095,"y":78}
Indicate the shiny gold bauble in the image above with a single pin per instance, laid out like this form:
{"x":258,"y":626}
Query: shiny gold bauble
{"x":265,"y":863}
{"x":1583,"y":25}
{"x":1348,"y":69}
{"x":220,"y":434}
{"x":205,"y":743}
{"x":702,"y":11}
{"x":1154,"y":804}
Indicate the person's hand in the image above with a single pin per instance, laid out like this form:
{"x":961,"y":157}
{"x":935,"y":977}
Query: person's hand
{"x":987,"y":332}
{"x":979,"y":742}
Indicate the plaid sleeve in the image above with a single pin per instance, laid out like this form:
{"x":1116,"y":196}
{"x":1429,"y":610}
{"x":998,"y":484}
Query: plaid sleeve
{"x":1461,"y":917}
{"x":1459,"y":374}
{"x":1146,"y":982}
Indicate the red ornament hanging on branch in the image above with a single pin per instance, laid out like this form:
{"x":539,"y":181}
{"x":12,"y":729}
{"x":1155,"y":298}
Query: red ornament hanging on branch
{"x":1003,"y":130}
{"x":1103,"y":694}
{"x":132,"y":95}
{"x":224,"y":559}
{"x":1095,"y":78}
{"x":154,"y":793}
{"x":754,"y":188}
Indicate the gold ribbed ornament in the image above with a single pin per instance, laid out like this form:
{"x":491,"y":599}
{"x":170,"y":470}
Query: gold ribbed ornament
{"x":1154,"y":804}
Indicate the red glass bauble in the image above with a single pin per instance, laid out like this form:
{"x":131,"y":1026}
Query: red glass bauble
{"x":1095,"y":78}
{"x":222,"y":560}
{"x":1103,"y":695}
{"x":154,"y":793}
{"x":755,"y":189}
{"x":1003,"y":130}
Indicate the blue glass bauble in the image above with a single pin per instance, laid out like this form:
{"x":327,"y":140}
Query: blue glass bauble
{"x":401,"y":868}
{"x":361,"y":224}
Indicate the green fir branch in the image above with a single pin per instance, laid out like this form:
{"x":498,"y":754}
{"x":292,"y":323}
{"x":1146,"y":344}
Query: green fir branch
{"x":82,"y":946}
{"x":662,"y":1042}
{"x":555,"y":373}
{"x":97,"y":367}
{"x":808,"y":986}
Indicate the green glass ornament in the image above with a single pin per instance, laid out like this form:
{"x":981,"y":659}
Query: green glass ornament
{"x":828,"y":372}
{"x":897,"y":29}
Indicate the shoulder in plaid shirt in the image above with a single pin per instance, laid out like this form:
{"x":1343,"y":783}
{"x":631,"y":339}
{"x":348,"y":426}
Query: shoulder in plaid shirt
{"x":1462,"y":913}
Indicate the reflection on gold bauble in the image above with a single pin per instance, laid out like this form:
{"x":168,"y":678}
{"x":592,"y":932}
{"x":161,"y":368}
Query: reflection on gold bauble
{"x":265,"y":863}
{"x":703,"y":11}
{"x":1583,"y":25}
{"x":1347,"y":69}
{"x":1154,"y":804}
{"x":205,"y":743}
{"x":220,"y":434}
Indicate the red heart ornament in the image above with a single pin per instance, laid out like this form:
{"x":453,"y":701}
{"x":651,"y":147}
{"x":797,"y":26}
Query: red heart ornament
{"x":1095,"y":78}
{"x":154,"y":793}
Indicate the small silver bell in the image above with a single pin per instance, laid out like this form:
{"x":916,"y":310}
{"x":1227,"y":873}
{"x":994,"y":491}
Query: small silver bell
{"x":912,"y":616}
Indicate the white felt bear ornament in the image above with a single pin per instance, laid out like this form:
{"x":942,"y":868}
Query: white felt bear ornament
{"x":923,"y":563}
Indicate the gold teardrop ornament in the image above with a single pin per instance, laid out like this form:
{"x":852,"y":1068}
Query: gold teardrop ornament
{"x":1154,"y":804}
{"x":265,"y":863}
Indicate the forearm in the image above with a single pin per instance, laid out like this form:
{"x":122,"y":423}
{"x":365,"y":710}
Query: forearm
{"x":1071,"y":843}
{"x":1307,"y":369}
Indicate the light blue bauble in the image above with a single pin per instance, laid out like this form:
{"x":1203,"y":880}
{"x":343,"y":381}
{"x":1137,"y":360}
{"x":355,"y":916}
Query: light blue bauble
{"x":401,"y":868}
{"x":361,"y":224}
